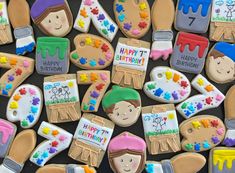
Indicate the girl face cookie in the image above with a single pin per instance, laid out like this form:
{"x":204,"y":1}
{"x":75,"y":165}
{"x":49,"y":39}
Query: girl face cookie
{"x":123,"y":105}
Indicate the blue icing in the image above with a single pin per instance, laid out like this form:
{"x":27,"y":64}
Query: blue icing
{"x":106,"y":23}
{"x":39,"y":161}
{"x":9,"y":86}
{"x":167,"y":96}
{"x":112,"y":28}
{"x":197,"y":147}
{"x":185,"y":5}
{"x":119,"y":8}
{"x":30,"y":118}
{"x":93,"y":63}
{"x":93,"y":102}
{"x":91,"y":108}
{"x":150,"y":168}
{"x":158,"y":92}
{"x":34,"y":109}
{"x":82,"y":61}
{"x":206,"y":145}
{"x":187,"y":113}
{"x":45,"y":155}
{"x":226,"y":49}
{"x":4,"y":92}
{"x":121,"y":17}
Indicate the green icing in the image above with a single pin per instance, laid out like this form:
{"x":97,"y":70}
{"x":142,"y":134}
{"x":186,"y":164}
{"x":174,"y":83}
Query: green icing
{"x":184,"y":106}
{"x":104,"y":31}
{"x":36,"y":155}
{"x":85,"y":107}
{"x":72,"y":99}
{"x":151,"y":86}
{"x":24,"y":123}
{"x":51,"y":45}
{"x":189,"y":147}
{"x":75,"y":56}
{"x":166,"y":132}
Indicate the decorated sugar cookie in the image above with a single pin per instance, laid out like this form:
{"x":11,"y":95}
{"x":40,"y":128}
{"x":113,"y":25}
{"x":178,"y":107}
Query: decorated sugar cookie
{"x":130,"y":63}
{"x":127,"y":153}
{"x":178,"y":164}
{"x":99,"y":81}
{"x":189,"y":53}
{"x":209,"y":97}
{"x":92,"y":52}
{"x":20,"y":151}
{"x":193,"y":15}
{"x":167,"y":85}
{"x":5,"y":27}
{"x":163,"y":12}
{"x":201,"y":133}
{"x":57,"y":140}
{"x":7,"y":134}
{"x":91,"y":139}
{"x":25,"y":105}
{"x":52,"y":55}
{"x":122,"y":105}
{"x":161,"y":129}
{"x":133,"y":17}
{"x":18,"y":68}
{"x":222,"y":160}
{"x":92,"y":11}
{"x":53,"y":17}
{"x":61,"y":98}
{"x":19,"y":15}
{"x":70,"y":168}
{"x":220,"y":64}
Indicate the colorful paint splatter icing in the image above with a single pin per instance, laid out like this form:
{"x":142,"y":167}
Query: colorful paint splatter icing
{"x":91,"y":10}
{"x":19,"y":68}
{"x":52,"y":55}
{"x":99,"y":81}
{"x":57,"y":140}
{"x":167,"y":85}
{"x":202,"y":133}
{"x":92,"y":52}
{"x":209,"y":98}
{"x":25,"y":105}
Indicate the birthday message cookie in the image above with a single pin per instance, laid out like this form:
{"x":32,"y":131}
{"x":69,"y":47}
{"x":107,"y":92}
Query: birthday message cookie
{"x":25,"y":105}
{"x":127,"y":153}
{"x":201,"y":133}
{"x":220,"y":64}
{"x":167,"y":85}
{"x":91,"y":10}
{"x":133,"y":17}
{"x":7,"y":134}
{"x":193,"y":15}
{"x":122,"y":105}
{"x":53,"y":17}
{"x":178,"y":164}
{"x":189,"y":53}
{"x":92,"y":52}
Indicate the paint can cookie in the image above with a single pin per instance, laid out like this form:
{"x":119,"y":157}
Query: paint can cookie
{"x":133,"y":17}
{"x":189,"y":53}
{"x":54,"y":17}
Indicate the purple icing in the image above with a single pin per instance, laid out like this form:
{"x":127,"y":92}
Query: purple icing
{"x":11,"y":78}
{"x":40,"y":6}
{"x":175,"y":95}
{"x":229,"y":142}
{"x":94,"y":94}
{"x":127,"y":26}
{"x":101,"y":17}
{"x":101,"y":62}
{"x":199,"y":106}
{"x":52,"y":150}
{"x":215,"y":140}
{"x":36,"y":101}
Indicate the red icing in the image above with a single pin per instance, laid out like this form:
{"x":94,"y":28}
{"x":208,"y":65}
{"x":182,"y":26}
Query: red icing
{"x":142,"y":25}
{"x":192,"y":41}
{"x":184,"y":84}
{"x":95,"y":11}
{"x":208,"y":100}
{"x":54,"y":144}
{"x":100,"y":86}
{"x":18,"y":72}
{"x":105,"y":47}
{"x":22,"y":91}
{"x":215,"y":123}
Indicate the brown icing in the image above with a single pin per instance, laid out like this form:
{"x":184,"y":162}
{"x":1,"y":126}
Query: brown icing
{"x":229,"y":104}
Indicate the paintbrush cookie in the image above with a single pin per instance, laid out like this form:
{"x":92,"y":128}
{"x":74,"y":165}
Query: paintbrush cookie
{"x":92,"y":52}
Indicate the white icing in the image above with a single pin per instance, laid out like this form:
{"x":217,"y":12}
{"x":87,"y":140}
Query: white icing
{"x":161,"y":45}
{"x":154,"y":168}
{"x":230,"y":134}
{"x":3,"y":169}
{"x":79,"y":170}
{"x":131,"y":57}
{"x":93,"y":134}
{"x":167,"y":86}
{"x":28,"y":108}
{"x":3,"y":9}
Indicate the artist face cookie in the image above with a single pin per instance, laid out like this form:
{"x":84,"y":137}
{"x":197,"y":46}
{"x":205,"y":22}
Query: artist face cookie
{"x":201,"y":133}
{"x":53,"y":17}
{"x":167,"y":85}
{"x":220,"y":64}
{"x":92,"y":52}
{"x":193,"y":15}
{"x":127,"y":153}
{"x":189,"y":53}
{"x":25,"y":105}
{"x":123,"y":105}
{"x":133,"y":17}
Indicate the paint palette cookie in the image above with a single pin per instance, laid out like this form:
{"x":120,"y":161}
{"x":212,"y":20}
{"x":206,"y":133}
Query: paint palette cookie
{"x":193,"y":15}
{"x":92,"y":52}
{"x":122,"y":105}
{"x":53,"y":17}
{"x":25,"y":105}
{"x":220,"y":64}
{"x":189,"y":53}
{"x":201,"y":133}
{"x":133,"y":17}
{"x":7,"y":134}
{"x":167,"y":85}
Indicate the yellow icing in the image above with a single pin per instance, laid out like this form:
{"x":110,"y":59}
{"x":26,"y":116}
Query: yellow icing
{"x":200,"y":81}
{"x":171,"y":116}
{"x":83,"y":78}
{"x":70,"y":84}
{"x":81,"y":23}
{"x":46,"y":130}
{"x":88,"y":41}
{"x":196,"y":124}
{"x":222,"y":156}
{"x":169,"y":75}
{"x":3,"y":60}
{"x":143,"y":6}
{"x":14,"y":105}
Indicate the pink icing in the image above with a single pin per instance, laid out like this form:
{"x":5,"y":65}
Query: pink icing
{"x":26,"y":64}
{"x":135,"y":32}
{"x":108,"y":56}
{"x":126,"y":142}
{"x":103,"y":76}
{"x":219,"y":97}
{"x":32,"y":91}
{"x":88,"y":2}
{"x":7,"y":130}
{"x":156,"y":54}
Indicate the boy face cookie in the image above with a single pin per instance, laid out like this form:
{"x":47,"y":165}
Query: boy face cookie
{"x":123,"y":105}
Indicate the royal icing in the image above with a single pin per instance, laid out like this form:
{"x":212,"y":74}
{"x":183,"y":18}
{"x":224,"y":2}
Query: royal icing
{"x":92,"y":52}
{"x":189,"y":53}
{"x":91,"y":10}
{"x":57,"y":140}
{"x":154,"y":168}
{"x":209,"y":98}
{"x":25,"y":105}
{"x":167,"y":85}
